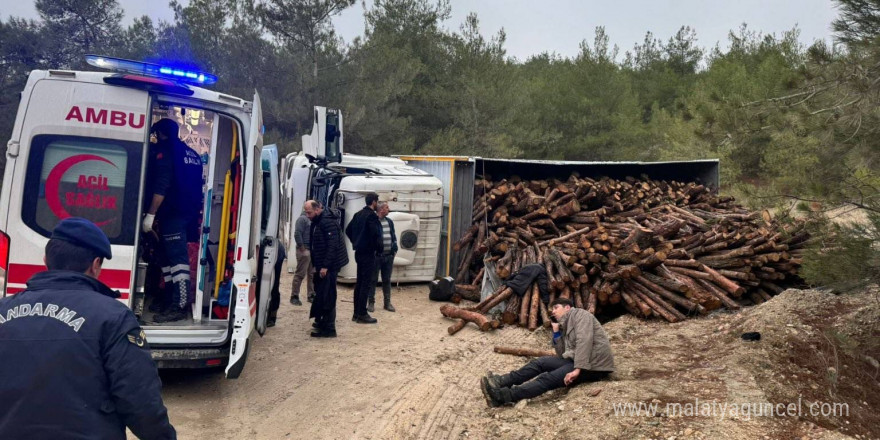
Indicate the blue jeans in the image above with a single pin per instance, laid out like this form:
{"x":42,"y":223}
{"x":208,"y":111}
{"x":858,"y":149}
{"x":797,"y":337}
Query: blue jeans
{"x":175,"y":265}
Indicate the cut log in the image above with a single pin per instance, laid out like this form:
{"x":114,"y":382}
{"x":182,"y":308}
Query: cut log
{"x":466,"y":238}
{"x":468,"y":292}
{"x":454,"y":328}
{"x":533,"y":313}
{"x":545,"y":315}
{"x":510,"y":316}
{"x":720,"y":294}
{"x":685,"y":303}
{"x":479,"y":319}
{"x":490,"y":303}
{"x":528,"y":352}
{"x":525,"y":306}
{"x":565,"y":237}
{"x":724,"y":282}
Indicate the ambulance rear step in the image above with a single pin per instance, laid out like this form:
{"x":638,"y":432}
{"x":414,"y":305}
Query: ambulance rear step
{"x":190,"y":357}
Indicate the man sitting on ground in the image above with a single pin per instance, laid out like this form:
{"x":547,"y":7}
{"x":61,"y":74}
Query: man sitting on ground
{"x":583,"y":355}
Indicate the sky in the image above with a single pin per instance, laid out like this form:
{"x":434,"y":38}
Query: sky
{"x":559,"y":26}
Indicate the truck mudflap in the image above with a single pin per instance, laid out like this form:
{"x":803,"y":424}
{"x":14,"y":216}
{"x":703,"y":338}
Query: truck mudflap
{"x":190,"y":357}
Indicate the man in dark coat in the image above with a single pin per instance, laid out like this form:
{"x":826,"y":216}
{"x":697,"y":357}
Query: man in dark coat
{"x":365,"y":233}
{"x":175,"y":195}
{"x":75,"y":362}
{"x":328,"y":256}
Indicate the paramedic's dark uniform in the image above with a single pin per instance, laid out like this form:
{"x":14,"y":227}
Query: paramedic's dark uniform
{"x":74,"y":363}
{"x":177,"y":175}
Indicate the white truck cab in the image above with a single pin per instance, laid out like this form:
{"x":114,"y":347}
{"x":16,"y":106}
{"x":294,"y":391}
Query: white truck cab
{"x":80,"y":147}
{"x":341,"y":181}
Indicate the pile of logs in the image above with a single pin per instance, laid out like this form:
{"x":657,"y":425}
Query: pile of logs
{"x":650,"y":248}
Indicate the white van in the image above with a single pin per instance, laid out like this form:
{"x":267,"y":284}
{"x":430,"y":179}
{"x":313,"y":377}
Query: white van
{"x":79,"y":147}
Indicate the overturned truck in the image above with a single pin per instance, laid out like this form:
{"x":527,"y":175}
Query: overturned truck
{"x":650,"y":239}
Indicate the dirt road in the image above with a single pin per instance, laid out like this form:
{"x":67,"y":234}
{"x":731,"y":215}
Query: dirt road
{"x":401,"y":378}
{"x":405,"y":378}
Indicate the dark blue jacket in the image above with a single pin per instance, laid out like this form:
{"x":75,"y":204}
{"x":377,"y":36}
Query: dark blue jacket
{"x":74,"y":364}
{"x":176,"y":173}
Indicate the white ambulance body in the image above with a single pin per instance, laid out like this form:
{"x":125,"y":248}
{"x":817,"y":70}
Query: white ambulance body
{"x":414,"y":197}
{"x":80,"y":146}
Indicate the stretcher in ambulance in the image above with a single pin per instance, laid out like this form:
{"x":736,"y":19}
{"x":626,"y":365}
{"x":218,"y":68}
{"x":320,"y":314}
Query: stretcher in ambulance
{"x":80,"y":147}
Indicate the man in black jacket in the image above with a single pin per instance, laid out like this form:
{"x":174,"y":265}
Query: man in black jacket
{"x":328,"y":256}
{"x":365,"y":234}
{"x":75,"y":362}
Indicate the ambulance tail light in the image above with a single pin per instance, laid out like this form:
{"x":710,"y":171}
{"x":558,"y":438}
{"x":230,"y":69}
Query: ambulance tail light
{"x":4,"y":260}
{"x":171,"y":72}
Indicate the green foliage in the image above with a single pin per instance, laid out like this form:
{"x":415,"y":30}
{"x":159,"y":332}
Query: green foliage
{"x":784,"y":119}
{"x":73,"y":27}
{"x":846,"y":254}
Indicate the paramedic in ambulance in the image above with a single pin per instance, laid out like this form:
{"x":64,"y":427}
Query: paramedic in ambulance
{"x":75,"y":362}
{"x":175,"y":195}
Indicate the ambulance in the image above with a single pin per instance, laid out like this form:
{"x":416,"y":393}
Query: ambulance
{"x":80,"y":148}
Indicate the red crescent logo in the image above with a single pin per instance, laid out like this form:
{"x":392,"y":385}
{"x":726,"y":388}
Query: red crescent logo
{"x":53,"y":183}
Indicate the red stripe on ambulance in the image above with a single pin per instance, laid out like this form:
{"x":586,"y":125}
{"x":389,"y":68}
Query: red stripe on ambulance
{"x":21,"y":273}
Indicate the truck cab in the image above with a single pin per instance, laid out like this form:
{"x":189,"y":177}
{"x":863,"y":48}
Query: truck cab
{"x":80,"y":147}
{"x":323,"y":172}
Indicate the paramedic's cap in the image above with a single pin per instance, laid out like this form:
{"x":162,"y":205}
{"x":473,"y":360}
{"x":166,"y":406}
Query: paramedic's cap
{"x":84,"y":233}
{"x":167,"y":127}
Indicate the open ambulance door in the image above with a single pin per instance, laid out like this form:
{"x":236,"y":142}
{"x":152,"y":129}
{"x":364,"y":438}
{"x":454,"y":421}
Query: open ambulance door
{"x":244,"y":312}
{"x":5,"y":246}
{"x":269,"y":232}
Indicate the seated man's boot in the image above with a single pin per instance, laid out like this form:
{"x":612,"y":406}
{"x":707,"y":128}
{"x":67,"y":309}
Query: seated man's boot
{"x":496,"y":381}
{"x":388,"y":305}
{"x":495,"y":397}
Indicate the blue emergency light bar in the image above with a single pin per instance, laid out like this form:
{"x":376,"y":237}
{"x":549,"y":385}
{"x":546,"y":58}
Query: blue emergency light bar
{"x":151,"y":69}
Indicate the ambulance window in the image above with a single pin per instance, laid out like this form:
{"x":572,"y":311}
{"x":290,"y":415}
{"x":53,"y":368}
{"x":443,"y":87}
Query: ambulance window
{"x":73,"y":176}
{"x":267,"y":202}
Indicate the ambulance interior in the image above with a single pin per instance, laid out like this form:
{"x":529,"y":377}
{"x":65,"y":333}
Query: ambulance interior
{"x":217,"y":139}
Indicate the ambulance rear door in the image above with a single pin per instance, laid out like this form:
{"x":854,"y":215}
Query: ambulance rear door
{"x":79,"y":147}
{"x":246,"y":279}
{"x":269,"y":232}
